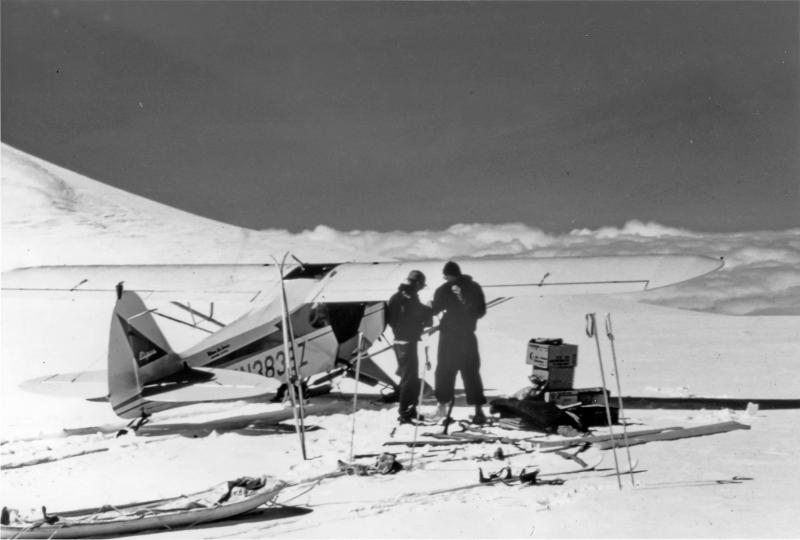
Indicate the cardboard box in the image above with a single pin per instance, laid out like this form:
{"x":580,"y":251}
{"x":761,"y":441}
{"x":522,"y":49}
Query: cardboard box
{"x":556,"y":378}
{"x":551,"y":353}
{"x":553,"y":362}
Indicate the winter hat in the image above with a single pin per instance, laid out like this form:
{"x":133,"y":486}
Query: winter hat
{"x":451,"y":269}
{"x":416,"y":277}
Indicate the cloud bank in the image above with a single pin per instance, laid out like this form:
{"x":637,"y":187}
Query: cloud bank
{"x":54,"y":216}
{"x":761,"y":275}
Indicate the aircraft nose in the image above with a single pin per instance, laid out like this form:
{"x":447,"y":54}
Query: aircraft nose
{"x":678,"y":269}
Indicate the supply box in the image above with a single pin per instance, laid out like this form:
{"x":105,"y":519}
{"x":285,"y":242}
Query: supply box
{"x":553,"y":362}
{"x":588,"y":403}
{"x":584,"y":396}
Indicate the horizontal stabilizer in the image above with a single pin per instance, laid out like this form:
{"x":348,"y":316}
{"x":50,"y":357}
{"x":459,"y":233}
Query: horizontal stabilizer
{"x":196,"y":385}
{"x":92,"y":385}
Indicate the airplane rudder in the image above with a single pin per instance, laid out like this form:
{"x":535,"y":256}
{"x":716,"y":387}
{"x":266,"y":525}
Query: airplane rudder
{"x":137,"y":353}
{"x":139,"y":325}
{"x":123,"y":381}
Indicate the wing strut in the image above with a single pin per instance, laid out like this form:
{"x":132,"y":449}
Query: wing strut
{"x":210,"y":318}
{"x":175,"y":319}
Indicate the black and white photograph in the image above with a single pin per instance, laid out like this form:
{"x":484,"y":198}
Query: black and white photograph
{"x":399,"y":269}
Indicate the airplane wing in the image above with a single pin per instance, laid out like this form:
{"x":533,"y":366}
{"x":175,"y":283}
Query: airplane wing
{"x":505,"y":277}
{"x":151,"y":281}
{"x":365,"y":281}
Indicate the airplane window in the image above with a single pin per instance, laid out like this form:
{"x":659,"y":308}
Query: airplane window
{"x":318,"y":315}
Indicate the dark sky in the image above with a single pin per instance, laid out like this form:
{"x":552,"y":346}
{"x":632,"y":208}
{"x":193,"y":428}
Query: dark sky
{"x":415,"y":115}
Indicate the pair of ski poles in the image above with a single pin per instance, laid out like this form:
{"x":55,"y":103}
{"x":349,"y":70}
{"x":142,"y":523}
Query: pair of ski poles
{"x":419,"y":405}
{"x":355,"y":399}
{"x":359,"y":348}
{"x":290,"y":353}
{"x":591,"y":331}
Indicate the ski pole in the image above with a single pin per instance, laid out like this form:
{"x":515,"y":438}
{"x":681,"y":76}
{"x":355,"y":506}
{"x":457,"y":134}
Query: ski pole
{"x":610,"y":334}
{"x":355,"y":394}
{"x":591,"y":331}
{"x":419,"y":403}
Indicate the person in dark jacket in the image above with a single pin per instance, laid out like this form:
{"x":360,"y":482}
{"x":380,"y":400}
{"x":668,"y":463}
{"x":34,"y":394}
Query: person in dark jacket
{"x":408,"y":317}
{"x":463,"y":303}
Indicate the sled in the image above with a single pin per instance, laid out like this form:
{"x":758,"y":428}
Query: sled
{"x":220,"y":502}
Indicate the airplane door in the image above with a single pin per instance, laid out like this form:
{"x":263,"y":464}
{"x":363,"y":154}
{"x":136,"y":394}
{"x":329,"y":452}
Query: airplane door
{"x":345,"y":320}
{"x":373,"y":321}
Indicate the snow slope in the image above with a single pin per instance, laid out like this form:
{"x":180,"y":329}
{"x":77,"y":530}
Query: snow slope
{"x":53,"y":216}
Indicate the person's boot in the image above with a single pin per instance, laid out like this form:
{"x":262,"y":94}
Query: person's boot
{"x":441,"y":412}
{"x":410,"y":416}
{"x":479,"y":418}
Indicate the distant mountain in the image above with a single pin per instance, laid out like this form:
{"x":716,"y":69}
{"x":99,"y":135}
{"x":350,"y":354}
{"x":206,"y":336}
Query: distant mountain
{"x":51,"y":215}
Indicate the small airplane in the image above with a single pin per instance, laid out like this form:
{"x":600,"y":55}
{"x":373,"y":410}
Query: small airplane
{"x":331,"y":312}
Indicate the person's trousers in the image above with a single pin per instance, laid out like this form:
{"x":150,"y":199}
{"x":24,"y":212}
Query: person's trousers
{"x":408,"y":370}
{"x":458,"y":352}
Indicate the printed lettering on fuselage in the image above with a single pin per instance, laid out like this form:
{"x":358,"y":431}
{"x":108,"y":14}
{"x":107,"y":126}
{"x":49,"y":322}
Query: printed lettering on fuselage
{"x":273,"y":363}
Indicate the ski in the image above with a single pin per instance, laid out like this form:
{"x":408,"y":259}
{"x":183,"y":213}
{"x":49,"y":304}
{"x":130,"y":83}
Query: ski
{"x":292,"y":373}
{"x":586,"y":467}
{"x":526,"y":477}
{"x":39,"y":461}
{"x":632,"y":468}
{"x":421,"y":423}
{"x":697,"y":483}
{"x":53,"y":457}
{"x":577,"y":441}
{"x":447,"y":441}
{"x":466,"y":435}
{"x":680,"y":433}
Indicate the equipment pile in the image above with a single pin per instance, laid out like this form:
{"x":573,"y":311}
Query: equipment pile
{"x":551,"y":404}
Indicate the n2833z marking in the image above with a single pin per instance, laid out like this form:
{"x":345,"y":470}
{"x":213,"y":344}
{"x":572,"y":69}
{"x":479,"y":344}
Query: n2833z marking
{"x":273,"y":364}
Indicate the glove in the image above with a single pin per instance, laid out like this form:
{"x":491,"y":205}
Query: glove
{"x":457,"y":291}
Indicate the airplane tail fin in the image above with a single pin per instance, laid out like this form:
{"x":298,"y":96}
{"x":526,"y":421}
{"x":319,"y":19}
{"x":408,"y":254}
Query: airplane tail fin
{"x":138,"y":353}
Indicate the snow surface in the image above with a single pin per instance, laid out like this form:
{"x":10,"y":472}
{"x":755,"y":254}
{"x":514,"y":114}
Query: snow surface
{"x":53,"y":216}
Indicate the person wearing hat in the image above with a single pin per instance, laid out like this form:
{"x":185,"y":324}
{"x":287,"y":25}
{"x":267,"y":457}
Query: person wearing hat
{"x":408,"y":317}
{"x":462,"y":301}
